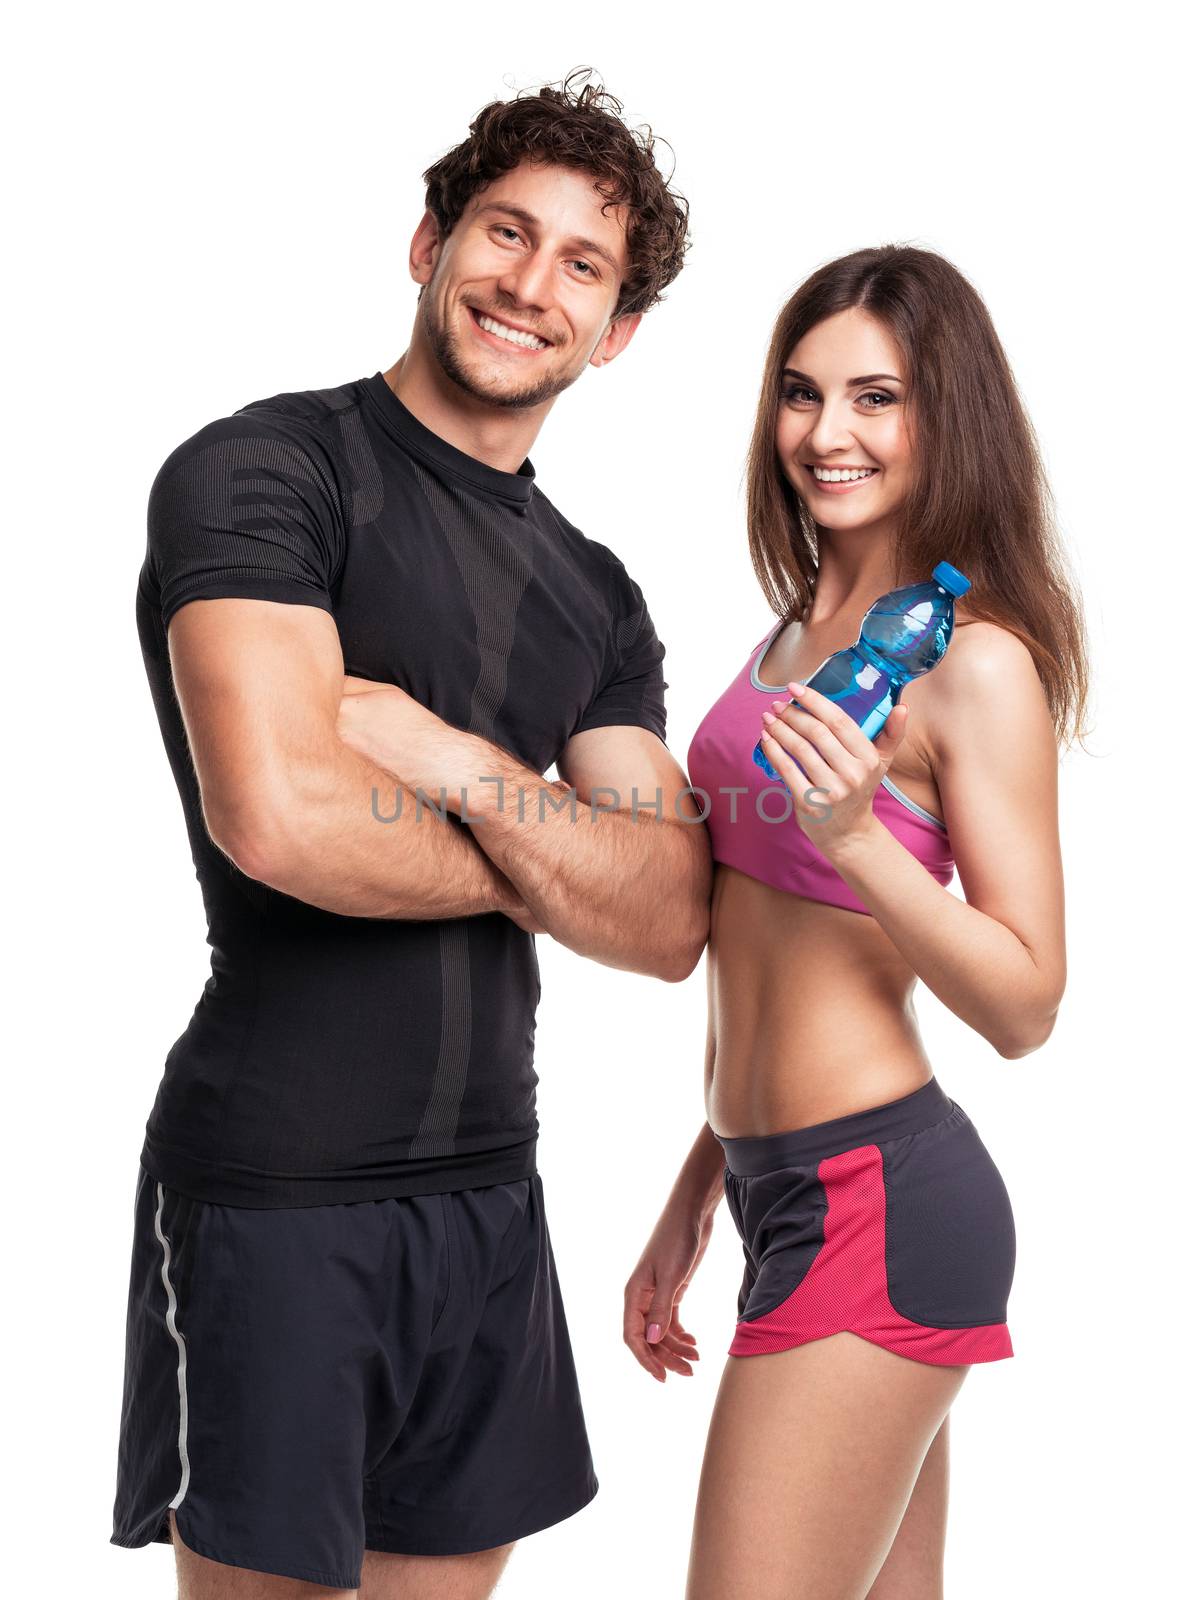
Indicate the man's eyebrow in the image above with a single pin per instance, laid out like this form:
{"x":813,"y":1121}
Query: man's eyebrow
{"x":520,"y":215}
{"x":586,"y":246}
{"x":593,"y":248}
{"x":852,"y":383}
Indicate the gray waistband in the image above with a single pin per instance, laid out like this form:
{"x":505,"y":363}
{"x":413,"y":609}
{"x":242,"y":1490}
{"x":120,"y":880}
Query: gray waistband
{"x":805,"y":1146}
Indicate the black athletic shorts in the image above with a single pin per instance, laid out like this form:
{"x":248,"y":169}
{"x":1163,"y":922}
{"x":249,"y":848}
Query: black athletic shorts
{"x":302,"y":1384}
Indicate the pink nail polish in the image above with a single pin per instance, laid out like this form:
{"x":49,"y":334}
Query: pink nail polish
{"x":653,"y":1332}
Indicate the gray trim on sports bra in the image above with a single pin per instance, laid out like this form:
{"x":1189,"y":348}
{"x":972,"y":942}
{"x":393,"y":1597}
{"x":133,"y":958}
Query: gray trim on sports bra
{"x":768,"y":688}
{"x":782,"y":688}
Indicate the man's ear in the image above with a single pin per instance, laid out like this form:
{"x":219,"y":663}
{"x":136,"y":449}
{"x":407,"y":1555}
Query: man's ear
{"x":425,"y":249}
{"x":617,"y":337}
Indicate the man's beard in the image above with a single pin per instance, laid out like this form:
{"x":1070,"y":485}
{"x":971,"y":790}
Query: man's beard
{"x":443,"y":346}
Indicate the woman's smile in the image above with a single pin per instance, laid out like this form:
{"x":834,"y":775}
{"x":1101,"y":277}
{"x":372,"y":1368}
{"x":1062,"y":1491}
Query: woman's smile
{"x":839,"y":480}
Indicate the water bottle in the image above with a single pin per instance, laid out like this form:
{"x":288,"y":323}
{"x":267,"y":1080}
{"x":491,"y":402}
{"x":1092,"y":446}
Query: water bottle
{"x":904,"y":634}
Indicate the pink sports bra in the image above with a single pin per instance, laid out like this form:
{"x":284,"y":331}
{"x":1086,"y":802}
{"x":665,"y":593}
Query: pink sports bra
{"x":759,"y":835}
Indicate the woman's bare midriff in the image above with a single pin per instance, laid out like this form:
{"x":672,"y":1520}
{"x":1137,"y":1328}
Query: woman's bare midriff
{"x":812,"y":1006}
{"x":812,"y":1012}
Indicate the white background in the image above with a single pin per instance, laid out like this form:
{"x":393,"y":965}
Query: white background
{"x":214,"y":204}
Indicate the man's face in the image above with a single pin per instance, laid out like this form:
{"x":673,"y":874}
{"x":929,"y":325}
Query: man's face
{"x":519,"y":298}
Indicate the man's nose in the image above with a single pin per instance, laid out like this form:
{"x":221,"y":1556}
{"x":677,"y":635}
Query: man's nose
{"x":529,"y":282}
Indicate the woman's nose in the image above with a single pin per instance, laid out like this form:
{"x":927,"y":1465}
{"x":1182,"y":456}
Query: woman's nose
{"x":831,"y":431}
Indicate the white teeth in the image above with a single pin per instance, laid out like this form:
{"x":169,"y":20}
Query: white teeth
{"x":838,"y":475}
{"x":513,"y":335}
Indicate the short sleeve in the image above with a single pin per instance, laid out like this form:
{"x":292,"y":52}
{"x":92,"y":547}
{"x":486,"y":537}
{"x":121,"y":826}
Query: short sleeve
{"x":248,"y":507}
{"x":633,"y":693}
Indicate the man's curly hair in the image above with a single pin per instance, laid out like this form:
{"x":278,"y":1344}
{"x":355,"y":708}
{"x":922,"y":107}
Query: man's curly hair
{"x":576,"y":124}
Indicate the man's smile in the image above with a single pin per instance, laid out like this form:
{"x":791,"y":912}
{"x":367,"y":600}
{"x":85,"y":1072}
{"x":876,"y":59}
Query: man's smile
{"x":506,"y":335}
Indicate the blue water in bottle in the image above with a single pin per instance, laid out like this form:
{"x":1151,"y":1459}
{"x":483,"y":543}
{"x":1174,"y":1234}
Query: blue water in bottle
{"x":904,"y":634}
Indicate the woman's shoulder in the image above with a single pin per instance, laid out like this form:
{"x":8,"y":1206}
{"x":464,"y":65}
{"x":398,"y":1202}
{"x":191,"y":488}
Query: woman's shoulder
{"x":979,"y":644}
{"x":981,"y":650}
{"x":988,"y":674}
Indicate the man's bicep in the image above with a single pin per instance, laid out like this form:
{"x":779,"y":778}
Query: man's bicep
{"x":259,"y":686}
{"x":634,"y":763}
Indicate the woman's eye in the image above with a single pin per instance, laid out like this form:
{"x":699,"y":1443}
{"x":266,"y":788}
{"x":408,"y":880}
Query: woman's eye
{"x":885,"y":399}
{"x":797,"y":392}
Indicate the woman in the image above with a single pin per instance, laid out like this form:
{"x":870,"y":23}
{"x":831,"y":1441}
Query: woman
{"x":877,"y":1232}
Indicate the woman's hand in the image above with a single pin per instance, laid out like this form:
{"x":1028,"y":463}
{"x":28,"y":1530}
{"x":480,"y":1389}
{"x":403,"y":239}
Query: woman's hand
{"x":834,"y":802}
{"x":652,"y":1329}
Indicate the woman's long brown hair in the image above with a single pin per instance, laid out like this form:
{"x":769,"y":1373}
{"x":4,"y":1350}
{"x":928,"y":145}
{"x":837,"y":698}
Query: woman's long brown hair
{"x":980,"y":497}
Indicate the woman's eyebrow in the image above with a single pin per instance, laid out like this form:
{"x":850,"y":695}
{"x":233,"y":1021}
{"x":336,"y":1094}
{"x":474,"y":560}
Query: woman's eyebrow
{"x":852,"y":383}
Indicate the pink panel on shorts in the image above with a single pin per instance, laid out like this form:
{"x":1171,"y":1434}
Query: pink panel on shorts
{"x":846,"y":1287}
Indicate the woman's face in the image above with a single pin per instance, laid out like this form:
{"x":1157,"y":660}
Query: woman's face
{"x":844,"y":411}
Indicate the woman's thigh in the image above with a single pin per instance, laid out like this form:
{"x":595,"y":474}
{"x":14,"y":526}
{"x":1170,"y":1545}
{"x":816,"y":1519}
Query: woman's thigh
{"x":913,"y":1568}
{"x":811,"y":1460}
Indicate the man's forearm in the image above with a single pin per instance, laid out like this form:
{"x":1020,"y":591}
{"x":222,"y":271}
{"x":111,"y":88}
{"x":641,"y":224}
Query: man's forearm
{"x":629,"y":890}
{"x":341,"y":834}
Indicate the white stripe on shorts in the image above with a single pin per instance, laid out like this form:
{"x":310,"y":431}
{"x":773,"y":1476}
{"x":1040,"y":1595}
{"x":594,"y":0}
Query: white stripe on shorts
{"x":172,"y":1325}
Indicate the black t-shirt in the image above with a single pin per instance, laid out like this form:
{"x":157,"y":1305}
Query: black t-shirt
{"x":336,"y":1058}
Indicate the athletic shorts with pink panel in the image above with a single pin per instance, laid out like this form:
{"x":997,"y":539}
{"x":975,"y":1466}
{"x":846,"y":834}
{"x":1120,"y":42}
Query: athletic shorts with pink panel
{"x":892,"y":1223}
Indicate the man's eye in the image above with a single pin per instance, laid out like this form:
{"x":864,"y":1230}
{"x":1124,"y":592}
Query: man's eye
{"x":586,"y":268}
{"x":512,"y":232}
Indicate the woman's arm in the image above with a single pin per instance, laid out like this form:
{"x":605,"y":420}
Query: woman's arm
{"x":997,"y":960}
{"x":652,"y":1328}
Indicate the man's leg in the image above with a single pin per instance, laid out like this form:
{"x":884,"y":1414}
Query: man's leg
{"x":201,"y":1579}
{"x":324,"y":1388}
{"x":259,"y":1382}
{"x":471,"y":1577}
{"x":383,"y":1577}
{"x":493,"y":1444}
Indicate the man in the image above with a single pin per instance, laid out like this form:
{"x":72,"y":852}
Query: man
{"x":347,"y":1361}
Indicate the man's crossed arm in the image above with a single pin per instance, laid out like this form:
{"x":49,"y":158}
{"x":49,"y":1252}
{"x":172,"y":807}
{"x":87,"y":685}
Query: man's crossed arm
{"x":288,"y":799}
{"x":613,"y":860}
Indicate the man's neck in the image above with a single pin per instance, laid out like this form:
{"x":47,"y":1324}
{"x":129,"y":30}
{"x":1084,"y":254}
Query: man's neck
{"x":502,"y":437}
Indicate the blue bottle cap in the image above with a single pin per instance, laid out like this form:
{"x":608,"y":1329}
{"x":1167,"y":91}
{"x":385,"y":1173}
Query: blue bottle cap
{"x":952,"y":579}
